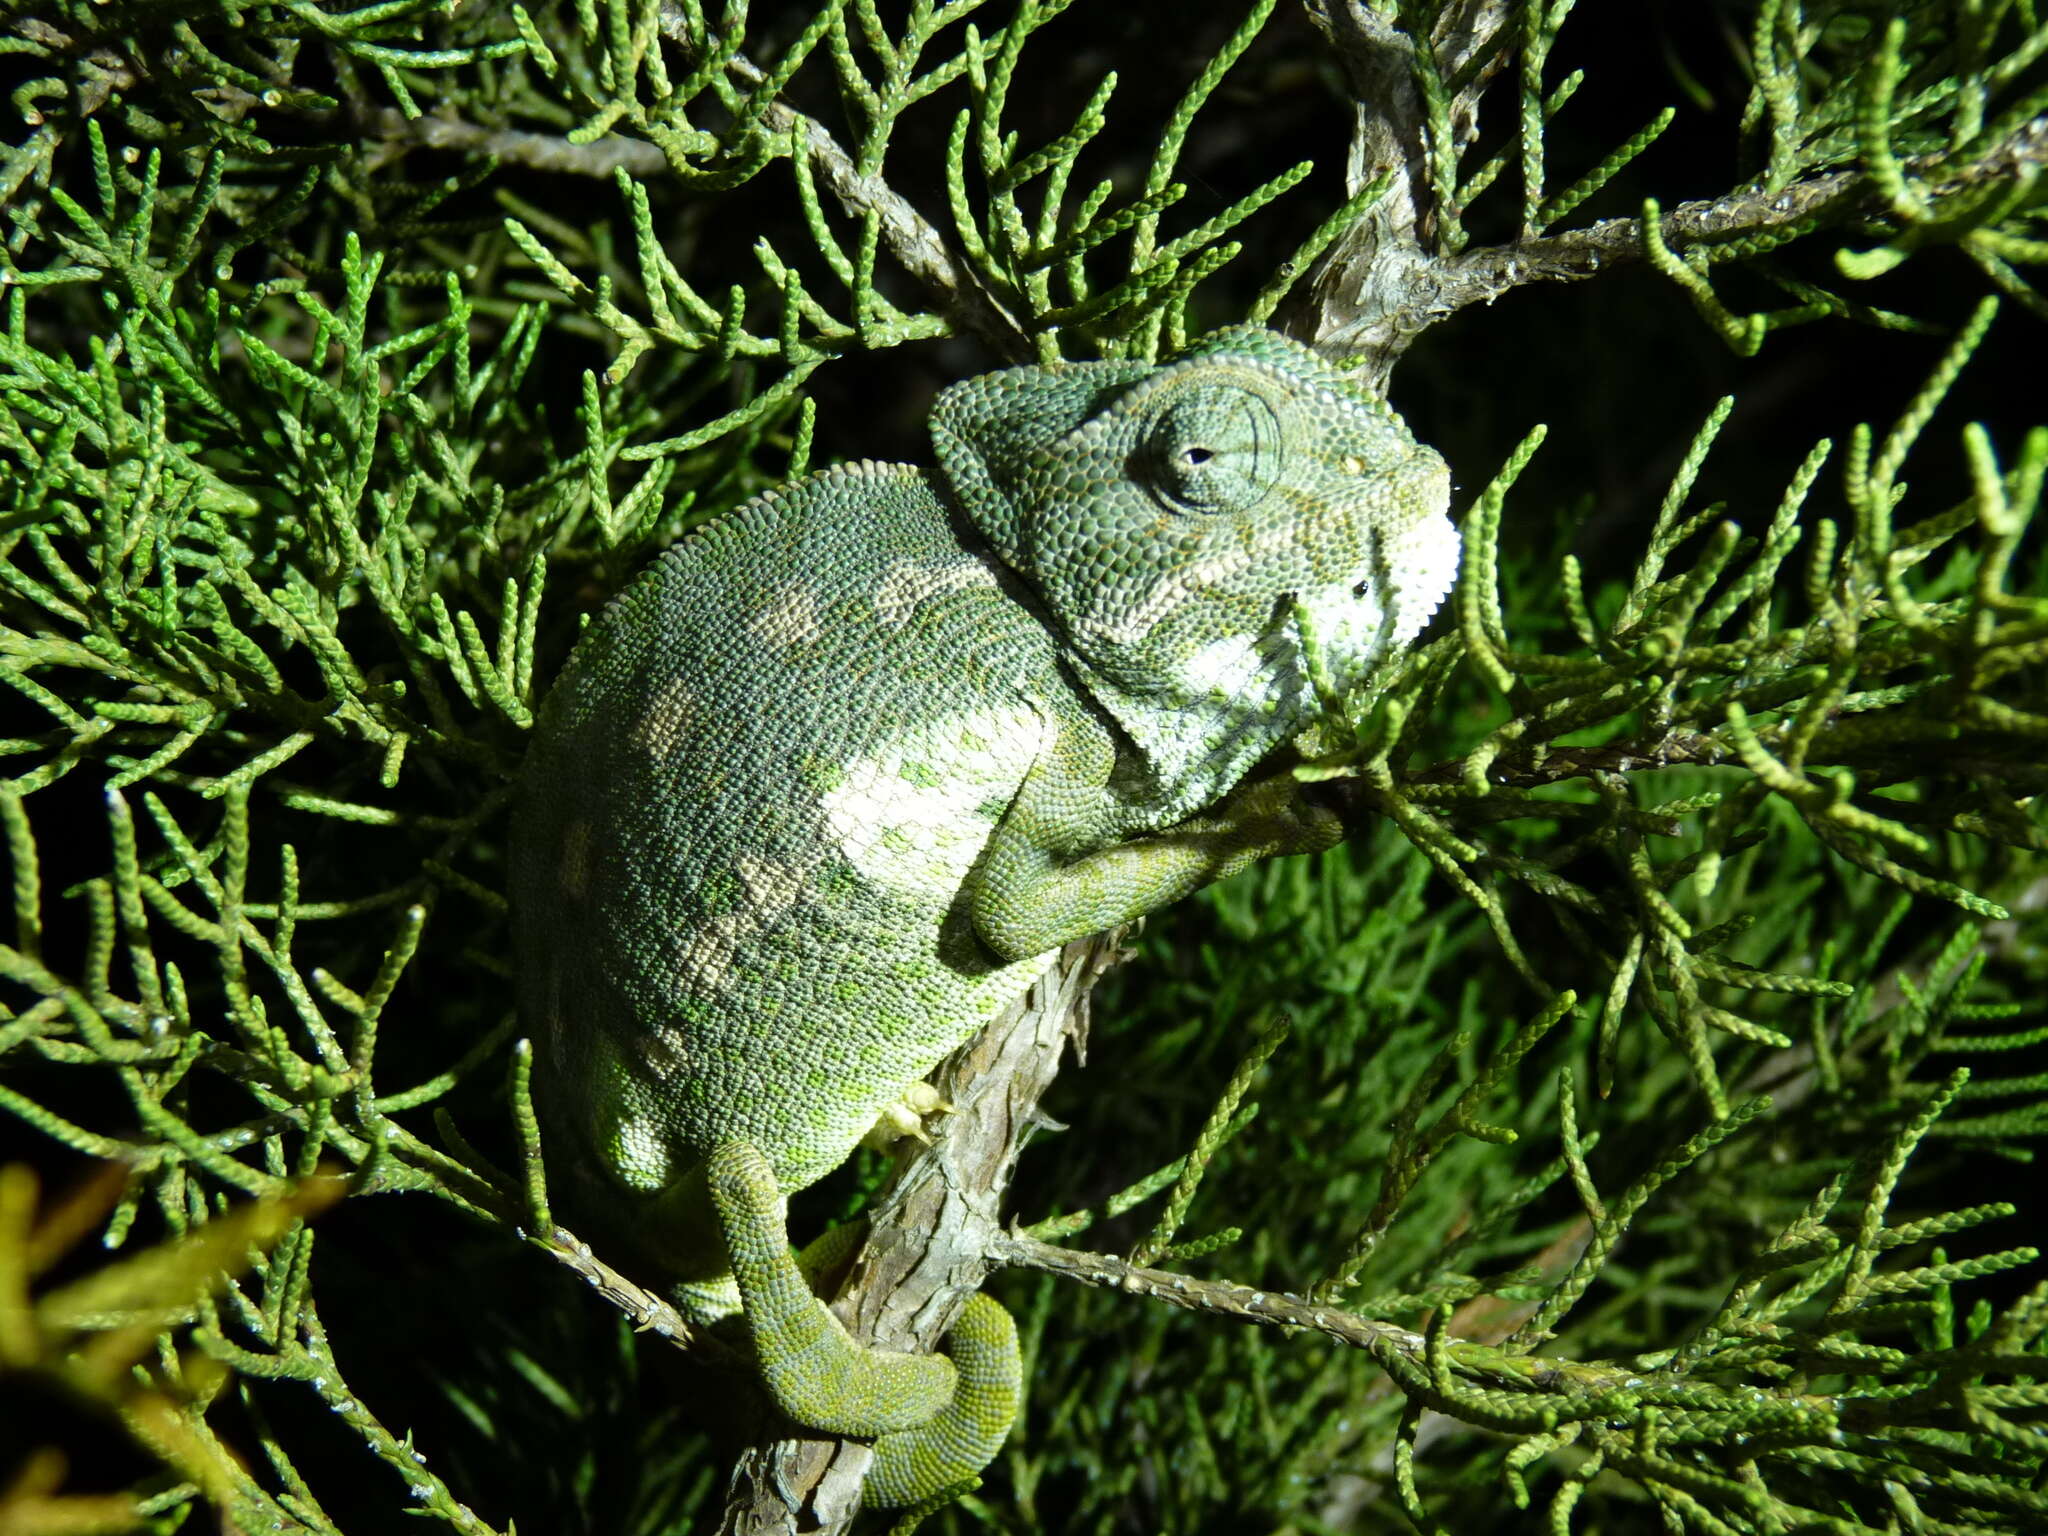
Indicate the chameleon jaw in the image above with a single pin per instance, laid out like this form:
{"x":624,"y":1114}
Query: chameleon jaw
{"x":1356,"y":622}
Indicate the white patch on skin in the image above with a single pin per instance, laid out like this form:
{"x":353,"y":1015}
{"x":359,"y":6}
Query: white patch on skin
{"x":909,"y":818}
{"x":1259,"y":673}
{"x":792,"y":619}
{"x":1354,"y":630}
{"x":1231,"y":697}
{"x":1358,"y":630}
{"x":773,"y":888}
{"x":1130,"y":628}
{"x":1238,"y":667}
{"x":1424,"y":568}
{"x":639,"y":1152}
{"x":910,"y":584}
{"x":660,"y":1054}
{"x":1255,"y":674}
{"x":659,"y":730}
{"x":706,"y":958}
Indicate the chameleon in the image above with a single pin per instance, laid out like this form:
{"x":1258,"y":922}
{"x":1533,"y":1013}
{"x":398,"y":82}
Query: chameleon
{"x":828,"y":786}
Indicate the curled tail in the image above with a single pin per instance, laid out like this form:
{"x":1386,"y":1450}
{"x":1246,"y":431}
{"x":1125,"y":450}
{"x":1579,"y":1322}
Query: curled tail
{"x":937,"y":1422}
{"x":913,"y":1464}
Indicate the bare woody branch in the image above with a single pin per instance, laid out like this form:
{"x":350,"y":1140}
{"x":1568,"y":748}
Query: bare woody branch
{"x":1399,"y":1350}
{"x":1393,"y":274}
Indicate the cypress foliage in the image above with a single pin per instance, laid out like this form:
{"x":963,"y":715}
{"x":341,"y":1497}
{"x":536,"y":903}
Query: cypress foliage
{"x":1631,"y":1125}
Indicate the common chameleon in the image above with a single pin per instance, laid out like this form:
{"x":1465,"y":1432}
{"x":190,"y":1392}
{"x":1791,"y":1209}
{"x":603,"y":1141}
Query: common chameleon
{"x":824,"y":790}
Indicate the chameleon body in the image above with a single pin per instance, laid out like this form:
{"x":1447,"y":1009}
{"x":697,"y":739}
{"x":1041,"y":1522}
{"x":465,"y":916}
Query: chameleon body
{"x":824,"y":790}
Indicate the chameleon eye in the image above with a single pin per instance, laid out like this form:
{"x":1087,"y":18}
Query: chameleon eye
{"x":1214,"y":449}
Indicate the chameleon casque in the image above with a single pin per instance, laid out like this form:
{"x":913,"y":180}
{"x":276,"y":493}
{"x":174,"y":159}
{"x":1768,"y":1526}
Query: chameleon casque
{"x":827,"y":786}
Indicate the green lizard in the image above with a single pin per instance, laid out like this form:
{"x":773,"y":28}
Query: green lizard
{"x":823,"y":790}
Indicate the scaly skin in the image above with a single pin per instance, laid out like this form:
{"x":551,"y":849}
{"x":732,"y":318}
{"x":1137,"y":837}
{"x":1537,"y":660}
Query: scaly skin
{"x":821,"y":792}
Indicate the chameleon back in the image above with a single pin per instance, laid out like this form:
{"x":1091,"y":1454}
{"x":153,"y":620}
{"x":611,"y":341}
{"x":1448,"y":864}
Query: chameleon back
{"x":726,"y":908}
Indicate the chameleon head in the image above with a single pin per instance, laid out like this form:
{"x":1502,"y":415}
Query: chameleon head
{"x":1179,"y":521}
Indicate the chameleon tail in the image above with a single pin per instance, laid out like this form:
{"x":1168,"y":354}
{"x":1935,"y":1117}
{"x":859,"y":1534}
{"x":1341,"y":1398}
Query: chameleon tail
{"x":914,"y":1464}
{"x":812,"y":1367}
{"x":939,"y":1421}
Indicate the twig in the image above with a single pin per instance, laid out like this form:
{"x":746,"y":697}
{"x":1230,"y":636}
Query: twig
{"x":1397,"y":1349}
{"x":914,"y":244}
{"x":540,"y":151}
{"x":650,"y":1314}
{"x":1378,"y":290}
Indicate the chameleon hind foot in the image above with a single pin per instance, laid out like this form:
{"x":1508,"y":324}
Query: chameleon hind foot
{"x":905,"y":1117}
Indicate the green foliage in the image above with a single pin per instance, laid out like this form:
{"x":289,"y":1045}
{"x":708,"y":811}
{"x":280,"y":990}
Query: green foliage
{"x":1888,"y":666}
{"x":1618,"y":1110}
{"x":1021,"y":240}
{"x":1747,"y":1320}
{"x":1928,"y":115}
